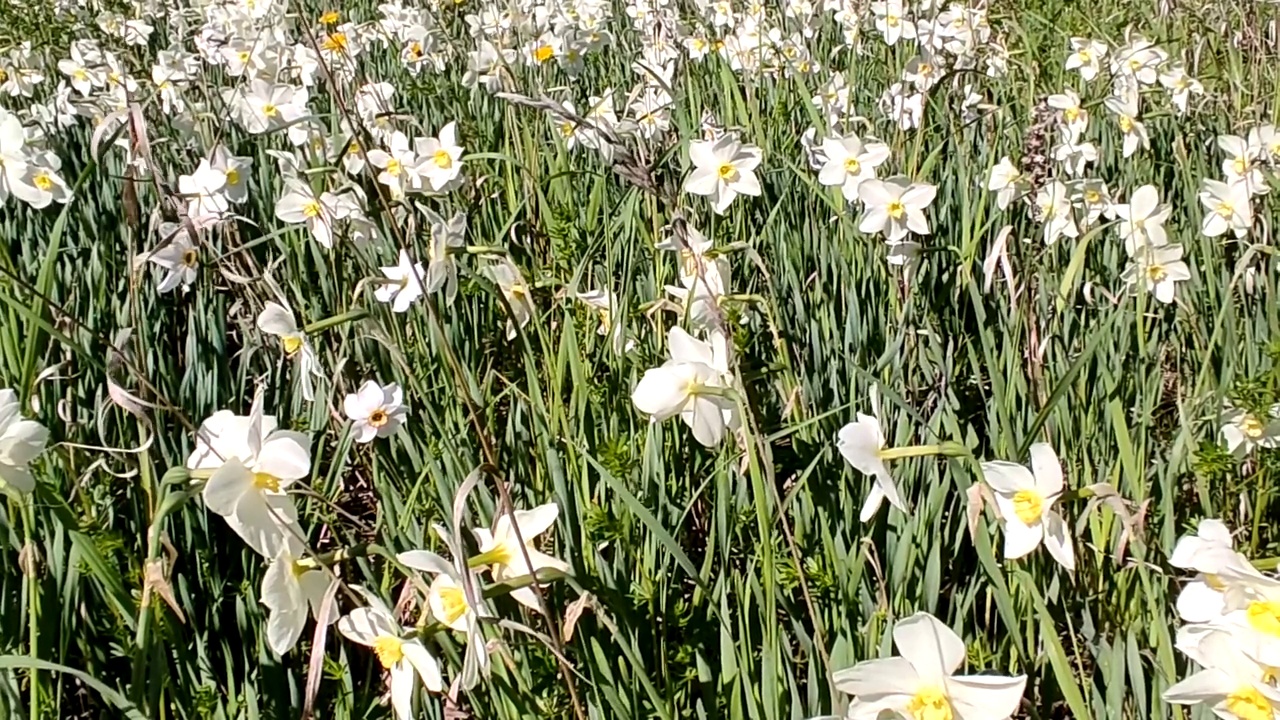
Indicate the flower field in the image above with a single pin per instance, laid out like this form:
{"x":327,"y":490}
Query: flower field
{"x":634,"y":359}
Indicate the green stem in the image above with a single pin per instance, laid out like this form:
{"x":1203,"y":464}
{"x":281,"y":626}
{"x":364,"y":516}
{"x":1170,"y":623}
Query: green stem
{"x":949,"y":449}
{"x":33,"y":601}
{"x":325,"y":324}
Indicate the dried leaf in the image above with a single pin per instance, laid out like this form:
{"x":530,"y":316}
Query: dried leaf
{"x":974,"y":508}
{"x":155,"y":580}
{"x":572,"y":614}
{"x":315,"y":664}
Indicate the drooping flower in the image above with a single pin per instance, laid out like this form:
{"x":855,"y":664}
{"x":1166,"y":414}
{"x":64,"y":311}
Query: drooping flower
{"x":397,"y":650}
{"x":860,"y":443}
{"x":515,"y":290}
{"x":277,"y":320}
{"x":692,"y":384}
{"x":291,"y":591}
{"x":375,"y":411}
{"x":1243,"y":430}
{"x":921,"y":683}
{"x":21,"y":441}
{"x":1024,"y":499}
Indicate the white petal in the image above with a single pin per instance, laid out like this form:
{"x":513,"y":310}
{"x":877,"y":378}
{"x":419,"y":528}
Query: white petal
{"x":1057,"y":540}
{"x":985,"y":697}
{"x":229,"y":483}
{"x":426,"y":665}
{"x":1020,"y":539}
{"x":933,"y":649}
{"x":1007,"y":478}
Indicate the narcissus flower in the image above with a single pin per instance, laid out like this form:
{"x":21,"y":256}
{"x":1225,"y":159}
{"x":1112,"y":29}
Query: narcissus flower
{"x":511,"y":282}
{"x":501,"y":551}
{"x":1243,"y":431}
{"x":1024,"y":499}
{"x":375,"y":411}
{"x":21,"y":441}
{"x":404,"y":283}
{"x":860,"y":443}
{"x":397,"y":650}
{"x":692,"y":384}
{"x":921,"y":684}
{"x":722,"y":170}
{"x":895,"y":207}
{"x":291,"y":591}
{"x":251,"y":464}
{"x":850,"y":162}
{"x":277,"y":320}
{"x":1158,"y":270}
{"x":1232,"y":683}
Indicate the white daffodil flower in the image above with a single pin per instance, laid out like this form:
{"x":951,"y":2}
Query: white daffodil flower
{"x":277,"y":320}
{"x":723,"y":169}
{"x":1053,"y":202}
{"x":692,"y":384}
{"x":1228,"y":207}
{"x":1142,"y":219}
{"x":178,"y":257}
{"x":850,"y":162}
{"x":1232,"y":683}
{"x":442,"y":268}
{"x":404,"y":284}
{"x":895,"y":207}
{"x":21,"y":441}
{"x":375,"y":411}
{"x":1007,"y":182}
{"x":251,"y":464}
{"x":441,"y":159}
{"x":403,"y":655}
{"x":291,"y":591}
{"x":1211,"y":554}
{"x":1158,"y":269}
{"x":860,"y":443}
{"x":511,"y":282}
{"x":602,"y":302}
{"x":501,"y":552}
{"x":921,"y":684}
{"x":1085,"y":57}
{"x":1243,"y":431}
{"x":1024,"y":499}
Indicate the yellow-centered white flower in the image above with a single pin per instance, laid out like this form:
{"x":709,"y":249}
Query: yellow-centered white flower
{"x":501,"y":551}
{"x":920,"y":683}
{"x":692,"y":384}
{"x":21,"y":441}
{"x":402,"y":655}
{"x":1024,"y":500}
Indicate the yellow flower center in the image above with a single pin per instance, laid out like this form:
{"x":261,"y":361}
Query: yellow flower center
{"x":1247,"y":703}
{"x":1225,"y":209}
{"x":1086,"y":55}
{"x":311,"y":209}
{"x":378,"y":418}
{"x":1239,"y":165}
{"x":1071,"y":114}
{"x":80,"y":75}
{"x":896,"y":209}
{"x":1028,"y":505}
{"x":264,"y":481}
{"x":270,"y":110}
{"x":518,"y":290}
{"x":442,"y":159}
{"x":454,"y":603}
{"x":1156,"y":273}
{"x":394,"y":167}
{"x":390,"y":650}
{"x":699,"y":45}
{"x":415,"y":50}
{"x":1264,"y":616}
{"x":1134,"y":63}
{"x":727,"y":172}
{"x":891,"y":20}
{"x":925,"y":69}
{"x":292,"y":344}
{"x":1215,"y":582}
{"x":330,"y":18}
{"x":544,"y":53}
{"x":1251,"y":426}
{"x":566,"y":129}
{"x":1126,"y":124}
{"x":233,"y":176}
{"x":43,"y":181}
{"x":335,"y":42}
{"x":243,"y":57}
{"x":189,"y":258}
{"x":930,"y":703}
{"x":1092,"y":197}
{"x":852,"y":166}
